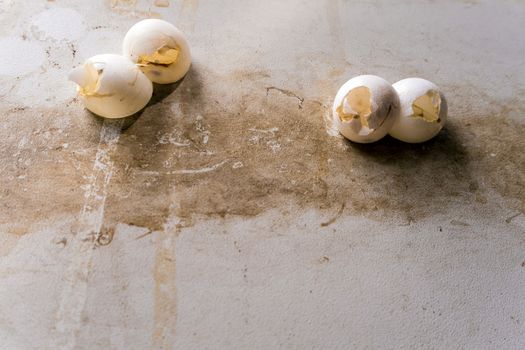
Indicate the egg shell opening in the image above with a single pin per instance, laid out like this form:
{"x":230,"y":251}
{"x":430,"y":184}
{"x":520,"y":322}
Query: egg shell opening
{"x":111,"y":86}
{"x":380,"y":112}
{"x":148,"y":38}
{"x":409,"y":127}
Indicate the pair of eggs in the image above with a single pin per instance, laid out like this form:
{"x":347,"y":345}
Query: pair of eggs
{"x":367,"y":108}
{"x":116,"y":86}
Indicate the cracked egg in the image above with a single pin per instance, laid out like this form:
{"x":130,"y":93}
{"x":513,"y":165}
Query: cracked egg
{"x":159,"y":49}
{"x":365,"y":108}
{"x":423,"y":110}
{"x":111,"y":86}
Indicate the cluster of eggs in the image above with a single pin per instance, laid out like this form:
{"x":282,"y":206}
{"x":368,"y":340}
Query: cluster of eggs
{"x":117,"y":86}
{"x":367,"y":108}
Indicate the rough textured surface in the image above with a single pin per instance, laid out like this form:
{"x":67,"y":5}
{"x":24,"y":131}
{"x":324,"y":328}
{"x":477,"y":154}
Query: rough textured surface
{"x":227,"y":214}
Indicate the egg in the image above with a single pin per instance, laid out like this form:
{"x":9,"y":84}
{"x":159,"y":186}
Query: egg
{"x":423,"y":110}
{"x":112,"y":86}
{"x":365,"y":108}
{"x":159,"y":49}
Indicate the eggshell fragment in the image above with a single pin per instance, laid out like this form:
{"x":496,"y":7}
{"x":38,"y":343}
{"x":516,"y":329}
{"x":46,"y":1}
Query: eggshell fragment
{"x":423,"y":110}
{"x":159,"y":49}
{"x":365,"y":108}
{"x":112,"y":86}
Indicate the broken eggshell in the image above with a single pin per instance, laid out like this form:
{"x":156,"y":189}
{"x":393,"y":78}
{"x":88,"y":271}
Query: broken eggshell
{"x":423,"y":110}
{"x":111,"y":86}
{"x":159,"y":49}
{"x":365,"y":108}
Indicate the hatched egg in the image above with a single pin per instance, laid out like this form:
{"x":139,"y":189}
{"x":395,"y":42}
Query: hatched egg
{"x":423,"y":110}
{"x":111,"y":86}
{"x":365,"y":108}
{"x":159,"y":49}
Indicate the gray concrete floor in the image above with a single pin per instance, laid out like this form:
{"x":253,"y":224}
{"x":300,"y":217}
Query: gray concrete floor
{"x":228,"y":215}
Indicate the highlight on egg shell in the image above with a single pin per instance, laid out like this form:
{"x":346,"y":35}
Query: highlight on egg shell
{"x":159,"y":49}
{"x":423,"y":110}
{"x":365,"y":108}
{"x":111,"y":86}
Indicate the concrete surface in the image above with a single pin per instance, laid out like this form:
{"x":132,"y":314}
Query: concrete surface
{"x":228,"y":215}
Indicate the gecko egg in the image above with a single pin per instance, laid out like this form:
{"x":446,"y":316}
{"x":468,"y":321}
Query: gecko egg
{"x":159,"y":49}
{"x":111,"y":86}
{"x":423,"y":110}
{"x":365,"y":108}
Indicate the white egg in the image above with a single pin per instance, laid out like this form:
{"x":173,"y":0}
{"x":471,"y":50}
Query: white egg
{"x":112,"y":86}
{"x":159,"y":49}
{"x":423,"y":110}
{"x":365,"y":108}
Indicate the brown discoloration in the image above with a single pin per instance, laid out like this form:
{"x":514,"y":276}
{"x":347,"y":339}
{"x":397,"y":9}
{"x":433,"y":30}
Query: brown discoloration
{"x":123,"y":3}
{"x":44,"y":163}
{"x":17,"y":229}
{"x":165,"y":302}
{"x":286,"y":156}
{"x":129,"y":7}
{"x":161,"y":3}
{"x":324,"y":259}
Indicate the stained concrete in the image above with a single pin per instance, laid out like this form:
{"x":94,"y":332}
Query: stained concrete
{"x":228,"y":214}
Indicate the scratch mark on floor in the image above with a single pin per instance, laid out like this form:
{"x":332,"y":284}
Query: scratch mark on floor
{"x":510,"y":218}
{"x":459,"y":223}
{"x":287,"y":93}
{"x":74,"y":293}
{"x":337,"y":216}
{"x":144,"y":235}
{"x":271,"y":131}
{"x":199,"y":171}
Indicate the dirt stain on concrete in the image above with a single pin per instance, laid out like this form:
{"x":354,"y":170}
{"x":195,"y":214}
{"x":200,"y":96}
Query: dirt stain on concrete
{"x":129,"y":8}
{"x":189,"y":6}
{"x":227,"y":148}
{"x":165,"y":292}
{"x":115,"y":3}
{"x":161,"y":3}
{"x":46,"y":155}
{"x":286,"y":156}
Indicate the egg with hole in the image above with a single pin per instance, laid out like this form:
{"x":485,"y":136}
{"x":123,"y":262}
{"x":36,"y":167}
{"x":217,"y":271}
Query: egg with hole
{"x":159,"y":49}
{"x":111,"y":86}
{"x":365,"y":108}
{"x":423,"y":110}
